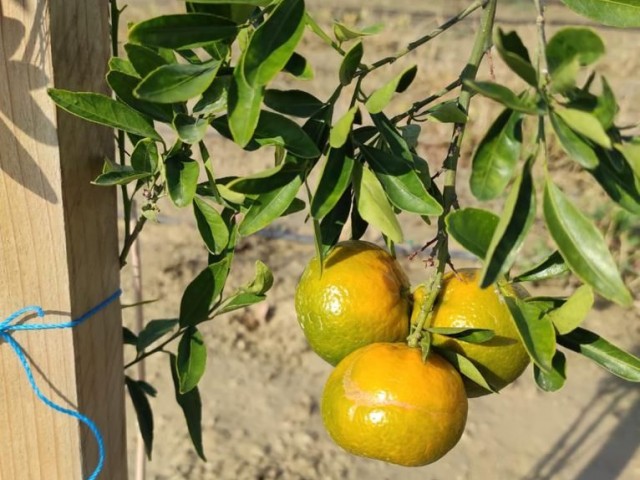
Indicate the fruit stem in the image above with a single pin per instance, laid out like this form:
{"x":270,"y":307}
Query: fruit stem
{"x":426,"y":309}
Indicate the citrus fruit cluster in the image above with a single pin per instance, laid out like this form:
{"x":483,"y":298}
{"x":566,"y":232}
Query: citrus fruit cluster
{"x":383,"y":400}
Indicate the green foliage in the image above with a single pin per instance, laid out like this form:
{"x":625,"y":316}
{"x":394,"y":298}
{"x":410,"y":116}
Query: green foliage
{"x":212,"y":68}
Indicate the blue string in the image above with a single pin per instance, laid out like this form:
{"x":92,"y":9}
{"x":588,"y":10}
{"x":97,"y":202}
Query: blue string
{"x":6,"y":327}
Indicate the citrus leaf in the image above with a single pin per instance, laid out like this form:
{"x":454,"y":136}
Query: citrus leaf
{"x":382,"y":96}
{"x":144,"y":414}
{"x":191,"y":406}
{"x":350,"y":64}
{"x":202,"y":292}
{"x":515,"y":55}
{"x":573,"y":311}
{"x":469,"y":335}
{"x":554,"y":379}
{"x":372,"y":203}
{"x":128,"y":337}
{"x":144,"y":157}
{"x":144,"y":59}
{"x":572,"y":143}
{"x":122,"y":65}
{"x":334,"y":180}
{"x":616,"y":177}
{"x":582,"y":246}
{"x":604,"y":353}
{"x":244,"y":106}
{"x":256,"y":3}
{"x":182,"y":31}
{"x":273,"y":43}
{"x":585,"y":124}
{"x":472,"y":228}
{"x":190,"y":130}
{"x":574,"y":42}
{"x":266,"y":180}
{"x":330,"y":228}
{"x":446,"y":112}
{"x":154,"y":330}
{"x":425,"y":345}
{"x":269,"y":206}
{"x":104,"y":110}
{"x":191,"y":360}
{"x":177,"y":83}
{"x":503,"y":95}
{"x":536,"y":331}
{"x":299,"y":67}
{"x":182,"y":179}
{"x":262,"y":280}
{"x":618,"y":13}
{"x":292,"y":102}
{"x":519,"y":211}
{"x":241,"y":300}
{"x":122,"y":176}
{"x":552,"y":266}
{"x":211,"y":225}
{"x":123,"y":86}
{"x":496,"y":156}
{"x":344,"y":33}
{"x":402,"y":184}
{"x":275,"y":129}
{"x":341,"y":129}
{"x":466,"y":367}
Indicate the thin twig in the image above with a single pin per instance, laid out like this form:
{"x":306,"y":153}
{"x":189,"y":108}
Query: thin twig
{"x":417,"y":106}
{"x":421,"y":41}
{"x":131,"y":239}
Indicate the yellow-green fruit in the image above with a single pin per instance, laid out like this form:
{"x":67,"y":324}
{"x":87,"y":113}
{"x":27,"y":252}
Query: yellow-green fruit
{"x":462,"y":303}
{"x":360,"y":296}
{"x":383,"y":402}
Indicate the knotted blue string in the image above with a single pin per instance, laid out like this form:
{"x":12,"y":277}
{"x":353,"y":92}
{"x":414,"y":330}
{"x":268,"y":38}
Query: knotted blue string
{"x":6,"y":328}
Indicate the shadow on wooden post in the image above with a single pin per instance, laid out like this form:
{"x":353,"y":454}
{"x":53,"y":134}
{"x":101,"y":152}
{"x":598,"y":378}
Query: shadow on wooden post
{"x":58,"y":243}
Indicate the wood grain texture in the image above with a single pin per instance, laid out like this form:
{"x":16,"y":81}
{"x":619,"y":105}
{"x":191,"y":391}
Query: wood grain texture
{"x":58,"y":243}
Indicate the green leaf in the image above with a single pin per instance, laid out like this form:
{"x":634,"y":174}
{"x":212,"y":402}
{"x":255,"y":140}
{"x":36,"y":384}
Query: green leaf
{"x":255,"y":3}
{"x":564,"y":77}
{"x":211,"y":226}
{"x":262,"y":281}
{"x":572,"y":313}
{"x":214,"y":98}
{"x":536,"y":332}
{"x":469,"y":335}
{"x":244,"y":106}
{"x":202,"y":292}
{"x":144,"y":415}
{"x":574,"y":42}
{"x":123,"y":86}
{"x":241,"y":300}
{"x":128,"y":337}
{"x":299,"y":67}
{"x":472,"y":228}
{"x":582,"y":246}
{"x":343,"y":33}
{"x":266,"y":180}
{"x":122,"y":65}
{"x":503,"y":95}
{"x":554,"y":379}
{"x":177,"y":83}
{"x":496,"y":156}
{"x":519,"y":211}
{"x":104,"y":110}
{"x":292,"y":102}
{"x":123,"y":176}
{"x":618,"y":13}
{"x":144,"y":59}
{"x":466,"y":367}
{"x":446,"y":112}
{"x":190,"y":130}
{"x":515,"y":55}
{"x":373,"y":205}
{"x":382,"y":96}
{"x":154,"y":330}
{"x":191,"y":406}
{"x":273,"y":43}
{"x":191,"y":360}
{"x":144,"y":157}
{"x":585,"y":124}
{"x":604,"y":353}
{"x":182,"y":179}
{"x":182,"y":31}
{"x":572,"y":143}
{"x":617,"y":178}
{"x":275,"y":129}
{"x":350,"y":63}
{"x":401,"y":183}
{"x":269,"y":206}
{"x":334,"y":181}
{"x":329,"y":229}
{"x":552,"y":266}
{"x":607,"y":106}
{"x":341,"y":129}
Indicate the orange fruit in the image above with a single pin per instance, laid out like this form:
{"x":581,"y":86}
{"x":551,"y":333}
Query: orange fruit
{"x":360,"y":296}
{"x":462,"y":303}
{"x":383,"y":402}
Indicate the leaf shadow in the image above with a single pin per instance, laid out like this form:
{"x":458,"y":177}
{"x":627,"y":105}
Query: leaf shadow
{"x":20,"y":78}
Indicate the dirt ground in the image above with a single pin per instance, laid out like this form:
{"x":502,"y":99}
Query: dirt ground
{"x":261,"y":390}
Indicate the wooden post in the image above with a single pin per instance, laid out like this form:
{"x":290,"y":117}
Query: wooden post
{"x":58,"y":244}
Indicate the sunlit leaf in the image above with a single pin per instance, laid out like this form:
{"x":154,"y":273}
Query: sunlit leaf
{"x":574,"y":42}
{"x":466,"y":367}
{"x":552,"y":266}
{"x":382,"y":96}
{"x":619,"y":13}
{"x":554,"y":379}
{"x":213,"y":230}
{"x":350,"y":63}
{"x":153,"y":331}
{"x":472,"y":228}
{"x":573,"y":311}
{"x":191,"y":360}
{"x":177,"y":83}
{"x":503,"y":95}
{"x":585,"y":124}
{"x":572,"y":143}
{"x":334,"y":181}
{"x":341,"y":129}
{"x":515,"y":55}
{"x":344,"y":33}
{"x":202,"y":292}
